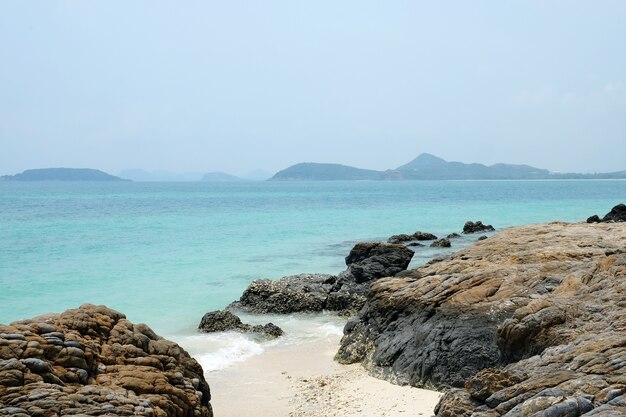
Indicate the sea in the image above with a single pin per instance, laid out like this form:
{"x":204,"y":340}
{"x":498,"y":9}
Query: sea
{"x":166,"y":253}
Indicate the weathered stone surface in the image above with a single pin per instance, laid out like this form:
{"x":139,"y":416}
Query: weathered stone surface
{"x":223,"y":320}
{"x":415,"y":236}
{"x":92,"y":361}
{"x":477,"y":227}
{"x":343,"y":293}
{"x":530,"y":322}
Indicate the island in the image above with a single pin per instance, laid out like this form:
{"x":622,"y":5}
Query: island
{"x":430,"y":167}
{"x":62,"y":174}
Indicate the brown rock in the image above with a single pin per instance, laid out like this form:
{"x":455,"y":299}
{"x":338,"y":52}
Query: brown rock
{"x":92,"y":361}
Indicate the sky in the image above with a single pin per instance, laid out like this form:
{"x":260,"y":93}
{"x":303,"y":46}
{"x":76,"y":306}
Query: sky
{"x":240,"y":85}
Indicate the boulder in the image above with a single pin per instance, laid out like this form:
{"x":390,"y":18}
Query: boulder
{"x":617,"y":214}
{"x":343,"y":293}
{"x":453,"y":236}
{"x":530,"y":322}
{"x":224,"y":320}
{"x":477,"y":227}
{"x":93,"y":361}
{"x":441,"y":243}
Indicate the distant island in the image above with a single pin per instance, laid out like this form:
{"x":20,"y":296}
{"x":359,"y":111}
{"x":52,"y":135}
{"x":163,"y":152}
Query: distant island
{"x":221,"y":177}
{"x":62,"y":174}
{"x":430,"y":167}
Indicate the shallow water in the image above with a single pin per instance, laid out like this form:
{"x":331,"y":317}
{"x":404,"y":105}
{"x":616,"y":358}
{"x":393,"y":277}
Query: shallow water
{"x":166,"y":253}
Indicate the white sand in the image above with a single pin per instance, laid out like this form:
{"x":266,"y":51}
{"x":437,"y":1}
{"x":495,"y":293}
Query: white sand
{"x":304,"y":381}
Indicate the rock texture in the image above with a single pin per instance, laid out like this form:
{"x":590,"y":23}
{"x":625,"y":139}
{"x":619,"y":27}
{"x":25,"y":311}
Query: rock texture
{"x":417,"y":236}
{"x":478,"y":227}
{"x":617,"y":214}
{"x":222,"y":320}
{"x":343,"y":293}
{"x":530,"y":322}
{"x":92,"y":361}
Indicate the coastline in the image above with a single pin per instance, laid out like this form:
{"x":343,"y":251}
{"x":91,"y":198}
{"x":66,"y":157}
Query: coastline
{"x":303,"y":380}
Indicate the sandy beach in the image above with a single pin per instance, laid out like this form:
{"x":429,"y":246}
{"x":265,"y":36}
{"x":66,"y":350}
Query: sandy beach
{"x":304,"y":381}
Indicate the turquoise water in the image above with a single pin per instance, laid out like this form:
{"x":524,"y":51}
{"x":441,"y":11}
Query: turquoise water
{"x":166,"y":253}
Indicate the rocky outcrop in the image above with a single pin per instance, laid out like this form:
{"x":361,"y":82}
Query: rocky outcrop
{"x":617,"y":214}
{"x":441,"y":243}
{"x":453,"y":236}
{"x":92,"y":361}
{"x":530,"y":322}
{"x":343,"y":293}
{"x":417,"y":236}
{"x":223,"y":320}
{"x":478,"y":227}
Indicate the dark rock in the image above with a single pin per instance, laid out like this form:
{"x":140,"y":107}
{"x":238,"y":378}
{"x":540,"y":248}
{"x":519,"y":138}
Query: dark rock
{"x":415,"y":236}
{"x":617,"y":214}
{"x":478,"y":227}
{"x":453,"y":236}
{"x":343,"y":293}
{"x":441,"y":243}
{"x":483,"y":237}
{"x":528,"y":323}
{"x":369,"y":261}
{"x":224,"y":320}
{"x":594,"y":219}
{"x":125,"y":369}
{"x":415,"y":244}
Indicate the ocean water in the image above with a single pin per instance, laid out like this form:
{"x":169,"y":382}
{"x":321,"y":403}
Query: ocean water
{"x":166,"y":253}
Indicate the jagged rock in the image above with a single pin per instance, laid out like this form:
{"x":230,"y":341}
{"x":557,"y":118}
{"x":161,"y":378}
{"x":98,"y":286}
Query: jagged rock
{"x":415,"y":236}
{"x":441,"y":243}
{"x":617,"y":214}
{"x":594,"y":219}
{"x":478,"y":227}
{"x":369,"y":261}
{"x":531,"y":322}
{"x":92,"y":361}
{"x":343,"y":293}
{"x":223,"y":320}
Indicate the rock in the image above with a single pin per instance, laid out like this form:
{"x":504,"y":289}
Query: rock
{"x":531,"y":322}
{"x":369,"y":261}
{"x":415,"y":244}
{"x":483,"y":237}
{"x":415,"y":236}
{"x":617,"y":214}
{"x":453,"y":236}
{"x":441,"y":243}
{"x":109,"y":366}
{"x":478,"y":227}
{"x":594,"y":219}
{"x":343,"y":293}
{"x":223,"y":320}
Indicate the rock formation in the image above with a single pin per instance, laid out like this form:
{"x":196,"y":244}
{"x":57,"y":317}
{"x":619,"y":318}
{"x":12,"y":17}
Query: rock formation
{"x":478,"y":227}
{"x":617,"y":214}
{"x":344,"y":293}
{"x":441,"y":243}
{"x":417,"y":236}
{"x":222,"y":320}
{"x":530,"y":322}
{"x":92,"y":361}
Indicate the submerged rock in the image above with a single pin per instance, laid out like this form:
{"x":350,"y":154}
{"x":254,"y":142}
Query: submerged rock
{"x":531,"y":322}
{"x":478,"y":227}
{"x":419,"y":236}
{"x":223,"y":320}
{"x":441,"y":243}
{"x":343,"y":293}
{"x":453,"y":236}
{"x":92,"y":361}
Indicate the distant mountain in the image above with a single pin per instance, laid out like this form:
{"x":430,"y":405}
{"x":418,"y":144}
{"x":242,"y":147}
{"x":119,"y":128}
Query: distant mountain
{"x":325,"y":172}
{"x":159,"y":176}
{"x":62,"y":174}
{"x":221,"y":177}
{"x":431,"y":167}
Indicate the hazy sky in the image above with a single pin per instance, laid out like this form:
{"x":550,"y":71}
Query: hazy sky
{"x":234,"y":85}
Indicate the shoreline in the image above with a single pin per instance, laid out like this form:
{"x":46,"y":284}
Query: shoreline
{"x":303,"y":380}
